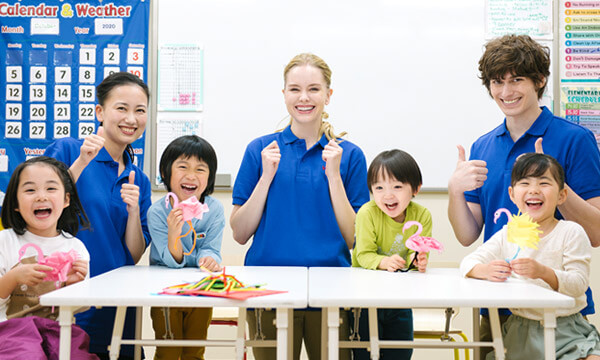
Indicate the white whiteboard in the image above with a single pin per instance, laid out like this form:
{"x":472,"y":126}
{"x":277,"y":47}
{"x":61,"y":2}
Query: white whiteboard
{"x":404,"y":72}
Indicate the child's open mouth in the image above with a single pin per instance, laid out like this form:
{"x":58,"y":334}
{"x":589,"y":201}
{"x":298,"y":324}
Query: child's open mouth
{"x":42,"y":213}
{"x":391,"y":207}
{"x":533,"y":204}
{"x":188,"y":189}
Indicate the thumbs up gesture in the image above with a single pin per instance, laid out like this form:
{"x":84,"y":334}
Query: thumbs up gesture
{"x":468,"y":175}
{"x":130,"y":193}
{"x":91,"y":146}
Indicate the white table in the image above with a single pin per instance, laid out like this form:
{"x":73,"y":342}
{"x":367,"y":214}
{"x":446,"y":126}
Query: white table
{"x":138,"y":285}
{"x":332,"y":288}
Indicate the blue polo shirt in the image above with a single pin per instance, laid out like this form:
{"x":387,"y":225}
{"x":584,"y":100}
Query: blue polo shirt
{"x":298,"y":226}
{"x":572,"y":145}
{"x":99,"y":189}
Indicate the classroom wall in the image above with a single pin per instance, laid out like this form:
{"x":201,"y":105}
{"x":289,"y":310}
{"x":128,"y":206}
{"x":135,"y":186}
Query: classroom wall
{"x":437,"y":203}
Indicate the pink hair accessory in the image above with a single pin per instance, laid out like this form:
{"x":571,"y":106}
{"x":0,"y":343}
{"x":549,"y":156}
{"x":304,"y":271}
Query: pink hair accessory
{"x":191,"y":208}
{"x":420,"y":243}
{"x":60,"y":262}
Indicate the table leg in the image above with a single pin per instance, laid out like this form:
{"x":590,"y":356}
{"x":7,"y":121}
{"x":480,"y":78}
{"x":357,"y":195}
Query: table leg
{"x":284,"y":321}
{"x":496,"y":333}
{"x":333,"y":325}
{"x":373,"y":333}
{"x":240,"y":342}
{"x":476,"y":332}
{"x":115,"y":343}
{"x":549,"y":339}
{"x":324,"y":332}
{"x":137,"y":350}
{"x":65,"y":319}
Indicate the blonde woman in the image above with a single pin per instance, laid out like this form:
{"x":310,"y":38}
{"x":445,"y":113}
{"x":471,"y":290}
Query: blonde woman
{"x":297,"y":193}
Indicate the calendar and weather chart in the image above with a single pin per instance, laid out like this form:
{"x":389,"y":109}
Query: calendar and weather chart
{"x":52,"y":55}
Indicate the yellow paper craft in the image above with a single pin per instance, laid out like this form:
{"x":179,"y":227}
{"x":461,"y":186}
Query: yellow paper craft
{"x":523,"y":231}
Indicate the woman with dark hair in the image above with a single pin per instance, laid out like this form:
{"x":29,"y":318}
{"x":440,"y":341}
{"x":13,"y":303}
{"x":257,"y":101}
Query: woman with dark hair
{"x":114,"y":192}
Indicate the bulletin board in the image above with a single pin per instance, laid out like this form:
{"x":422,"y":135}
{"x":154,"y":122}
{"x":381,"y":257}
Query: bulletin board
{"x":52,"y":56}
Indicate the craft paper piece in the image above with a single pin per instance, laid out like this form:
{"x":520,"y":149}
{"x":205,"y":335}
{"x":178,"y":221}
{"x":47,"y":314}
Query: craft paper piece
{"x":60,"y":262}
{"x":191,"y":208}
{"x":523,"y":231}
{"x":418,"y":243}
{"x":520,"y":230}
{"x":219,"y":285}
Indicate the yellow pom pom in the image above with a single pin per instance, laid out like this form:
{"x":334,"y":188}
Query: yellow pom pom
{"x":523,"y":231}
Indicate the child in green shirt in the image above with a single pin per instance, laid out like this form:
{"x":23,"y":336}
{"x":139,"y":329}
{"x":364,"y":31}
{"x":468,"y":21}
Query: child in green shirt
{"x":394,"y":178}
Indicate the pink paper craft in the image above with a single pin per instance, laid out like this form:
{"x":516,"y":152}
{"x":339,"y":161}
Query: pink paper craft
{"x":420,"y":243}
{"x":192,"y":208}
{"x":60,"y":262}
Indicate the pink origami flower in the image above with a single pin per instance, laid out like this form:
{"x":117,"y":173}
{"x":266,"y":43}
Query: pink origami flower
{"x":60,"y":262}
{"x":192,"y":208}
{"x":420,"y":243}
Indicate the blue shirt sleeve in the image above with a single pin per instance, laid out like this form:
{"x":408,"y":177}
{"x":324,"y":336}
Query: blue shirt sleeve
{"x":582,"y":170}
{"x":249,"y":173}
{"x":473,"y":195}
{"x":158,"y":228}
{"x":66,"y":150}
{"x":355,"y":183}
{"x":145,"y":202}
{"x":211,"y":246}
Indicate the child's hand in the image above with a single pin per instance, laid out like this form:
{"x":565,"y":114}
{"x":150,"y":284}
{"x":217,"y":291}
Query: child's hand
{"x":332,"y":155}
{"x":468,"y":175}
{"x":497,"y":270}
{"x":175,"y":223}
{"x":209,"y":263}
{"x":30,"y":274}
{"x":77,"y":272}
{"x":130,"y":193}
{"x":270,"y":157}
{"x":91,"y":146}
{"x":392,"y":263}
{"x":421,"y":261}
{"x":528,"y":268}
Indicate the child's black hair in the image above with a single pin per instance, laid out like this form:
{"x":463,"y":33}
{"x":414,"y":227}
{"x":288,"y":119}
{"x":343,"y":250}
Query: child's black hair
{"x":72,"y":217}
{"x":396,"y":163}
{"x":118,"y":79}
{"x":535,"y":165}
{"x":189,"y":146}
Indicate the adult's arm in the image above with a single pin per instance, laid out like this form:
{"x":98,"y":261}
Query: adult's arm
{"x":245,"y":218}
{"x":585,"y":212}
{"x":465,"y":217}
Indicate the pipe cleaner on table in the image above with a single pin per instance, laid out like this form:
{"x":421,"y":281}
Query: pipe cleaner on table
{"x":520,"y":230}
{"x":419,"y":243}
{"x":191,"y":208}
{"x":60,"y":262}
{"x":219,"y":285}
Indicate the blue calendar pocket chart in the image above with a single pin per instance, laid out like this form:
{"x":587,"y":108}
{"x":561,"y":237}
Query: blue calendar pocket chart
{"x":52,"y":55}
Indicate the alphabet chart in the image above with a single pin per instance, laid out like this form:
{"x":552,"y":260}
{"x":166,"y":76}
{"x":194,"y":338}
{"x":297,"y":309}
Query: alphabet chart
{"x":52,"y":55}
